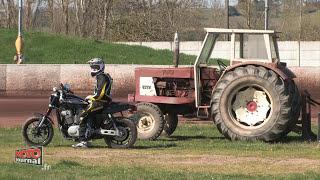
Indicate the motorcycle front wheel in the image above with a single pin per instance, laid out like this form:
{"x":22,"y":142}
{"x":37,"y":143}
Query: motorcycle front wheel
{"x":128,"y":134}
{"x":34,"y":136}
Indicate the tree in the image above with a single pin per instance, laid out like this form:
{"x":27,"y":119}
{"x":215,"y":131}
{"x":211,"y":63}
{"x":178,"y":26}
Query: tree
{"x":51,"y":13}
{"x":65,"y":9}
{"x":107,"y":8}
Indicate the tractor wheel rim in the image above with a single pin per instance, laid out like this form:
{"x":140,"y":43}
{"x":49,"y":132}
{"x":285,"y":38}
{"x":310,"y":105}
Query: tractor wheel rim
{"x":251,"y":106}
{"x":146,"y":123}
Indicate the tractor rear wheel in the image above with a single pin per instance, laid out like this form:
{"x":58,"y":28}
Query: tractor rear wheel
{"x":149,"y":121}
{"x":296,"y":105}
{"x":171,"y":123}
{"x":253,"y":103}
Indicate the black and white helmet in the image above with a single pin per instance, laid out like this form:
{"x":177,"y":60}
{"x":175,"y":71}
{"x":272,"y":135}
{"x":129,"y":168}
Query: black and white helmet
{"x":96,"y":65}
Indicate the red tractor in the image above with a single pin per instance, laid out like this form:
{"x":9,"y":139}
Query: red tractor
{"x":254,"y":98}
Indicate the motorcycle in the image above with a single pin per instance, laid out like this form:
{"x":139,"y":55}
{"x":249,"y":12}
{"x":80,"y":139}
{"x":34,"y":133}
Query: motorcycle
{"x":116,"y":130}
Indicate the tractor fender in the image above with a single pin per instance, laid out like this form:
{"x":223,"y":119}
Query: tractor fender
{"x":41,"y":115}
{"x":279,"y":68}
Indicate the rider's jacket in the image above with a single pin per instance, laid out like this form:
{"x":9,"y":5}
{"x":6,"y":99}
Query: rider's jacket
{"x":102,"y":89}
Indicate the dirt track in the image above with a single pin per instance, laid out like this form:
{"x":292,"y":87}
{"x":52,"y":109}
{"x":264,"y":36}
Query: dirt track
{"x":14,"y":111}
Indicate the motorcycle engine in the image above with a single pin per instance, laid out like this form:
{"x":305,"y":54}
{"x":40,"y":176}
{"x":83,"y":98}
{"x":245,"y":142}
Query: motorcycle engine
{"x":73,"y":131}
{"x":70,"y":118}
{"x":67,"y":116}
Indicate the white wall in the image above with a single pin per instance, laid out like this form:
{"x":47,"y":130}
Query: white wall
{"x":288,"y":50}
{"x":39,"y":79}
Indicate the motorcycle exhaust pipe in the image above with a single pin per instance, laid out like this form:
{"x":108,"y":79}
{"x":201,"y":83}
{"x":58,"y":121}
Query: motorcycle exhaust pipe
{"x":109,"y":132}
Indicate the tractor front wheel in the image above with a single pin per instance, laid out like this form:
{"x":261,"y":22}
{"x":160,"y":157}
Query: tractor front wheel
{"x":149,"y":120}
{"x":253,"y":103}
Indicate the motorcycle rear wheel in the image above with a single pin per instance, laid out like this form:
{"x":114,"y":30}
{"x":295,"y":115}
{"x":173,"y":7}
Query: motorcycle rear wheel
{"x":128,"y":135}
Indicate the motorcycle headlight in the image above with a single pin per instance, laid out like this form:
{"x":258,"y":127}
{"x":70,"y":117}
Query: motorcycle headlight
{"x":52,"y":97}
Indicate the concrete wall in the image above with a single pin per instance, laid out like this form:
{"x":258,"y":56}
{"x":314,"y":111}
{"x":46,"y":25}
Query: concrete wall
{"x":308,"y":78}
{"x":38,"y":80}
{"x":288,"y":50}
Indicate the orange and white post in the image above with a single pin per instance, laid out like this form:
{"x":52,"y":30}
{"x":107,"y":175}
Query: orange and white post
{"x":18,"y":58}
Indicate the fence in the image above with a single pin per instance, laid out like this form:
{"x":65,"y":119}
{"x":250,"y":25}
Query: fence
{"x":289,"y":50}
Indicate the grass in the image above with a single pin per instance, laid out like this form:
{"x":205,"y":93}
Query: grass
{"x":44,"y":48}
{"x":193,"y":152}
{"x":72,"y":170}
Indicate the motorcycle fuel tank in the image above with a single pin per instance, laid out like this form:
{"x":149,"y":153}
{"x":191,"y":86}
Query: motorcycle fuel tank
{"x":72,"y":99}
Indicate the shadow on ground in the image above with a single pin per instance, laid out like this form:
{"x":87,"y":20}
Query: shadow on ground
{"x":297,"y":138}
{"x":190,"y":138}
{"x":151,"y":146}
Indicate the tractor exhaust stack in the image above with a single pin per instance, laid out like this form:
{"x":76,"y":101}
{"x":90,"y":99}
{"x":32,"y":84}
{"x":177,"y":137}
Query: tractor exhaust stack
{"x":176,"y":50}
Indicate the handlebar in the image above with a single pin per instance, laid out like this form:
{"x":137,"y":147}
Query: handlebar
{"x":67,"y":90}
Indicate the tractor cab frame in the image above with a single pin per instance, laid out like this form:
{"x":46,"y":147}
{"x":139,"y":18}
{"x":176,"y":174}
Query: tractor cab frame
{"x":240,"y":38}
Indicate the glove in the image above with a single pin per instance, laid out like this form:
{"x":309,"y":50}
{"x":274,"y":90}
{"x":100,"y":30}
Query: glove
{"x":89,"y":98}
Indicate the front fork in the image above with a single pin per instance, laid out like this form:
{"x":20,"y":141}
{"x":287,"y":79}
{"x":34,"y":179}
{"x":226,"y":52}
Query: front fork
{"x":45,"y":117}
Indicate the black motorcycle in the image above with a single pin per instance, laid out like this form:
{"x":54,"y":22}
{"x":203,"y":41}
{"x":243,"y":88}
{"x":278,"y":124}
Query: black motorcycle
{"x":117,"y":130}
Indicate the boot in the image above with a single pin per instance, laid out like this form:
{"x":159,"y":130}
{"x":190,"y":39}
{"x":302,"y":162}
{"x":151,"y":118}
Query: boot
{"x":82,"y":144}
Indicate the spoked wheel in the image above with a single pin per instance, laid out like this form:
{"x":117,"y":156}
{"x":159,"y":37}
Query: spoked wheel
{"x":127,"y":137}
{"x":34,"y":136}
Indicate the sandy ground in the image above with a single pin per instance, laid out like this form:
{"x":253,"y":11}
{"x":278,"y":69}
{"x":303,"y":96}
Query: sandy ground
{"x":14,"y":111}
{"x":224,"y":164}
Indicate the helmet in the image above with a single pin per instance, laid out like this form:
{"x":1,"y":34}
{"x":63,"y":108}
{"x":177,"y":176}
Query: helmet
{"x":96,"y":65}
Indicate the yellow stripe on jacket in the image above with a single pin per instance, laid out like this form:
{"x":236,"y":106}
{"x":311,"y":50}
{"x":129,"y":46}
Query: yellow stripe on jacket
{"x":102,"y":92}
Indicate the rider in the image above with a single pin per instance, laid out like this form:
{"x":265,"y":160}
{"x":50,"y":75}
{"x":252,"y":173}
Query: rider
{"x":101,"y":95}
